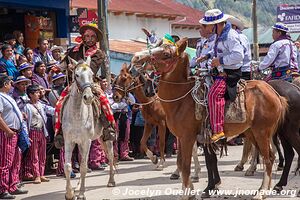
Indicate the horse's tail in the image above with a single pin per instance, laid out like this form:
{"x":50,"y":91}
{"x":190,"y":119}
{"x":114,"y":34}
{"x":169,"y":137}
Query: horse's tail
{"x":283,"y":110}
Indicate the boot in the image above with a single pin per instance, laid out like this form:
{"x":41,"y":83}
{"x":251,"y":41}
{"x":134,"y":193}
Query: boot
{"x":109,"y":132}
{"x":59,"y":141}
{"x":217,"y":136}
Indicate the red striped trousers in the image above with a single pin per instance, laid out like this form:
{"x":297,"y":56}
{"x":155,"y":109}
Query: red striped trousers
{"x":216,"y":103}
{"x":9,"y":163}
{"x":36,"y":157}
{"x":97,"y":155}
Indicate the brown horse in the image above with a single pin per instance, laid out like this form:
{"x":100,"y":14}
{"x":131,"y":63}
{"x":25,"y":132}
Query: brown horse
{"x":264,"y":109}
{"x":152,"y":112}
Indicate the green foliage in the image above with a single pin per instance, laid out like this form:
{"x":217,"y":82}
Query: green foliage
{"x":266,"y":9}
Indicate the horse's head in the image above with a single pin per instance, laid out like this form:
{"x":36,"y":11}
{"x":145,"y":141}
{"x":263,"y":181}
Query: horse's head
{"x":162,"y":58}
{"x":83,"y":77}
{"x":125,"y":82}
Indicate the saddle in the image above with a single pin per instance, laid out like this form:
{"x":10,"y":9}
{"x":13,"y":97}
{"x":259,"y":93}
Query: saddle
{"x":235,"y":111}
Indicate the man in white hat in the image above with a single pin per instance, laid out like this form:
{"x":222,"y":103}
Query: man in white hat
{"x":204,"y":45}
{"x":227,"y":60}
{"x":282,"y":54}
{"x":56,"y":52}
{"x":238,"y":26}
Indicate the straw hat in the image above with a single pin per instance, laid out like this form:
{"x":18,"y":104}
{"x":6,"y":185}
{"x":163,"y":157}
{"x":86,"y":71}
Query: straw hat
{"x":57,"y":48}
{"x":281,"y":26}
{"x":237,"y":22}
{"x":93,"y":27}
{"x":21,"y":79}
{"x":58,"y":76}
{"x":213,"y":16}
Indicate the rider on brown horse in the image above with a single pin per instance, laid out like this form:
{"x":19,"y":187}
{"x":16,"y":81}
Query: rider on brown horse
{"x":282,"y":54}
{"x":228,"y":55}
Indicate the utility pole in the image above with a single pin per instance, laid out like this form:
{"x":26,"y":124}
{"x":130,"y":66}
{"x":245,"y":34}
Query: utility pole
{"x":255,"y":34}
{"x":102,"y":25}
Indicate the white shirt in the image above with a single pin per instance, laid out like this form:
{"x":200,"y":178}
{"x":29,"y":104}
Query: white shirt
{"x":8,"y":113}
{"x":280,"y":55}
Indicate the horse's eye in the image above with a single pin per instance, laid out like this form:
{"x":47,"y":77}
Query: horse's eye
{"x":77,"y":75}
{"x":167,"y":55}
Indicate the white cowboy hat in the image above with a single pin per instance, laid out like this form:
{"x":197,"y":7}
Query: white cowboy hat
{"x":57,"y":48}
{"x":213,"y":16}
{"x":281,"y":26}
{"x":237,"y":22}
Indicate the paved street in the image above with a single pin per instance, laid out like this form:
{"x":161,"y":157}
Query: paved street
{"x":138,"y":180}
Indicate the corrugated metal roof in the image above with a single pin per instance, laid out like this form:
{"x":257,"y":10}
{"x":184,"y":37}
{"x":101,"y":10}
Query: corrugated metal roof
{"x":129,"y":6}
{"x":126,"y":46}
{"x":183,"y":15}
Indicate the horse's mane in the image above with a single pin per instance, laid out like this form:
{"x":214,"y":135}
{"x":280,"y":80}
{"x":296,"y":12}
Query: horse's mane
{"x":186,"y":63}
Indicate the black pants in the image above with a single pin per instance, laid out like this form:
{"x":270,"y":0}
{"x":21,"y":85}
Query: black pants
{"x":136,"y":134}
{"x":246,"y":75}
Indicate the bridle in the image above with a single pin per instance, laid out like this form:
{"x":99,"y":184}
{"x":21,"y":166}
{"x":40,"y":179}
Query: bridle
{"x":169,"y":62}
{"x":81,"y":88}
{"x":135,"y":73}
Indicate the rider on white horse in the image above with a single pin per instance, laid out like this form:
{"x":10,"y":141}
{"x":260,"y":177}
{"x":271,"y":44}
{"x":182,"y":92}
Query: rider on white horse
{"x":88,"y":47}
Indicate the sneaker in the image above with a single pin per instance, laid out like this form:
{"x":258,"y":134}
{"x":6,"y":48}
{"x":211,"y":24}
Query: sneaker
{"x":104,"y":165}
{"x":19,"y":191}
{"x":217,"y":136}
{"x":127,"y":158}
{"x":73,"y":175}
{"x":6,"y":195}
{"x":99,"y":167}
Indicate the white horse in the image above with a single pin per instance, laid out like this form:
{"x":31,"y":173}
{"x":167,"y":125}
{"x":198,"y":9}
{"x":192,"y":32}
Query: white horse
{"x":80,"y":125}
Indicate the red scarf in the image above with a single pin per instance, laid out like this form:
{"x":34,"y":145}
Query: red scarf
{"x":88,"y":52}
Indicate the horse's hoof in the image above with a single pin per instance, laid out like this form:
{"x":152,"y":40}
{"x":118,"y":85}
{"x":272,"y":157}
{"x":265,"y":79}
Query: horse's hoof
{"x":238,"y":168}
{"x":192,"y":197}
{"x":259,"y":197}
{"x":279,"y":168}
{"x":174,"y":177}
{"x":278,"y":188}
{"x":297,"y":171}
{"x":111,"y":184}
{"x":81,"y":198}
{"x":298,"y":195}
{"x":218,"y":184}
{"x":195,"y":179}
{"x":154,"y":160}
{"x":249,"y":173}
{"x":72,"y":198}
{"x":205,"y":195}
{"x":159,"y":168}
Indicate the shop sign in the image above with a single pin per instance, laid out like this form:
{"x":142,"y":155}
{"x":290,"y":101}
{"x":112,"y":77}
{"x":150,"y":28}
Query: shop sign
{"x":289,"y":15}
